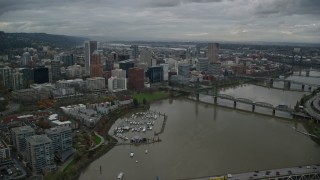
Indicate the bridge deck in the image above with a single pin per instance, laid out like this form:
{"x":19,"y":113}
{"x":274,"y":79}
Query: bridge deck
{"x":266,"y":174}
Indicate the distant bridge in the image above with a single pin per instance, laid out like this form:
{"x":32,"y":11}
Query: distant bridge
{"x":288,"y":82}
{"x":235,"y":100}
{"x":311,"y":172}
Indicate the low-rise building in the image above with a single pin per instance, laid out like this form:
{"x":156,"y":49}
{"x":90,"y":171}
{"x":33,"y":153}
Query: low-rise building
{"x":96,"y":83}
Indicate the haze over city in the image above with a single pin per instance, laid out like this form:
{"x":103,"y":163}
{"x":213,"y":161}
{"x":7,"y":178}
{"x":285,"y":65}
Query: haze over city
{"x":174,"y":20}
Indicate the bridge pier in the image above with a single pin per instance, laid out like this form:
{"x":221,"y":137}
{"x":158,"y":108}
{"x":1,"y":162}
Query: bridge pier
{"x":234,"y":104}
{"x":197,"y":96}
{"x":253,"y":107}
{"x":273,"y":111}
{"x":302,"y":86}
{"x":215,"y":99}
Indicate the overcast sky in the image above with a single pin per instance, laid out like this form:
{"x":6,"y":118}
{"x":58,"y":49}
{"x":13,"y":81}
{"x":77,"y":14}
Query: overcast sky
{"x":182,"y":20}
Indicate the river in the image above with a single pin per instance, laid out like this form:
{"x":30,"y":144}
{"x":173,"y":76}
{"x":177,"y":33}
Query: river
{"x":203,"y":140}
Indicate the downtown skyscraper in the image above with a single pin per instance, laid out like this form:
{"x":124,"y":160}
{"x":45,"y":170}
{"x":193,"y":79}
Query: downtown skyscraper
{"x":213,"y":52}
{"x":89,"y":48}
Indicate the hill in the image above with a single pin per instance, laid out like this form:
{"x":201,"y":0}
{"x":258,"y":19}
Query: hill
{"x":21,"y":40}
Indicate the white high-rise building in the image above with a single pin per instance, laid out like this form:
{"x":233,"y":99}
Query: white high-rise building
{"x":120,"y":73}
{"x":26,"y":58}
{"x":89,"y":48}
{"x":117,"y":84}
{"x":165,"y":71}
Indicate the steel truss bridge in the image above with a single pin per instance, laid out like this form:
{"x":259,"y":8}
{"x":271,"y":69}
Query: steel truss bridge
{"x":234,"y":99}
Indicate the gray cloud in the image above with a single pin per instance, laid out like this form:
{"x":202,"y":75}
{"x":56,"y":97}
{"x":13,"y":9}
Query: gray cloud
{"x":231,"y":20}
{"x":287,"y":7}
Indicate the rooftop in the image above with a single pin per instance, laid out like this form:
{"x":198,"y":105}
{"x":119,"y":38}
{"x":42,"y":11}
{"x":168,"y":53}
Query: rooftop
{"x":22,"y":129}
{"x":38,"y":139}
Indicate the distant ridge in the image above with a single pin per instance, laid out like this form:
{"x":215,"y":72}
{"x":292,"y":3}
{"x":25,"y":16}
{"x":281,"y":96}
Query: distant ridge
{"x":21,"y":40}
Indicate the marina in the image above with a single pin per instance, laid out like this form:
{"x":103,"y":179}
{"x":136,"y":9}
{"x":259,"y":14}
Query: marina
{"x":139,"y":128}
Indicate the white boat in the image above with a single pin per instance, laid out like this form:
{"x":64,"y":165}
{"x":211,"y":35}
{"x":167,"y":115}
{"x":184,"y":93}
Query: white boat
{"x":136,"y":161}
{"x":131,"y":154}
{"x":144,"y":129}
{"x":146,"y":151}
{"x":120,"y":176}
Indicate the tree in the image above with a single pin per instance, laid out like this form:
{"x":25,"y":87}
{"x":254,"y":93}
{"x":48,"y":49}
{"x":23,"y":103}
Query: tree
{"x":135,"y":102}
{"x":144,"y":101}
{"x":3,"y":104}
{"x":296,"y":107}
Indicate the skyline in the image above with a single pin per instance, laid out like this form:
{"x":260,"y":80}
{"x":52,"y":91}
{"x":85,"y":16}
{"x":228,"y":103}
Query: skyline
{"x":174,"y":20}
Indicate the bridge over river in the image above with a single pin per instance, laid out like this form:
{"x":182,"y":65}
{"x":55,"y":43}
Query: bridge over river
{"x":235,"y":100}
{"x":311,"y":172}
{"x":287,"y":83}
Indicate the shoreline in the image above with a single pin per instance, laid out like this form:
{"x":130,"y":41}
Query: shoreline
{"x":112,"y":144}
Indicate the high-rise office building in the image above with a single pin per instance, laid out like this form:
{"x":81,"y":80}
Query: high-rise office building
{"x":214,"y":69}
{"x":5,"y":76}
{"x":28,"y":77}
{"x":40,"y":154}
{"x":165,"y":68}
{"x":26,"y":58}
{"x":202,"y":65}
{"x":41,"y":75}
{"x":89,"y":48}
{"x":126,"y":65}
{"x":67,"y":59}
{"x":155,"y":74}
{"x":96,"y":68}
{"x":17,"y":80}
{"x":19,"y":135}
{"x":61,"y":137}
{"x":55,"y":69}
{"x":135,"y":51}
{"x":184,"y":69}
{"x":136,"y":78}
{"x":146,"y":57}
{"x":113,"y":56}
{"x":213,"y":52}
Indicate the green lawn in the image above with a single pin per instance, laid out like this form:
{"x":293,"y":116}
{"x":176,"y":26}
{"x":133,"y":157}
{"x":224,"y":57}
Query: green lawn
{"x":97,"y":139}
{"x":150,"y":96}
{"x":69,"y":165}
